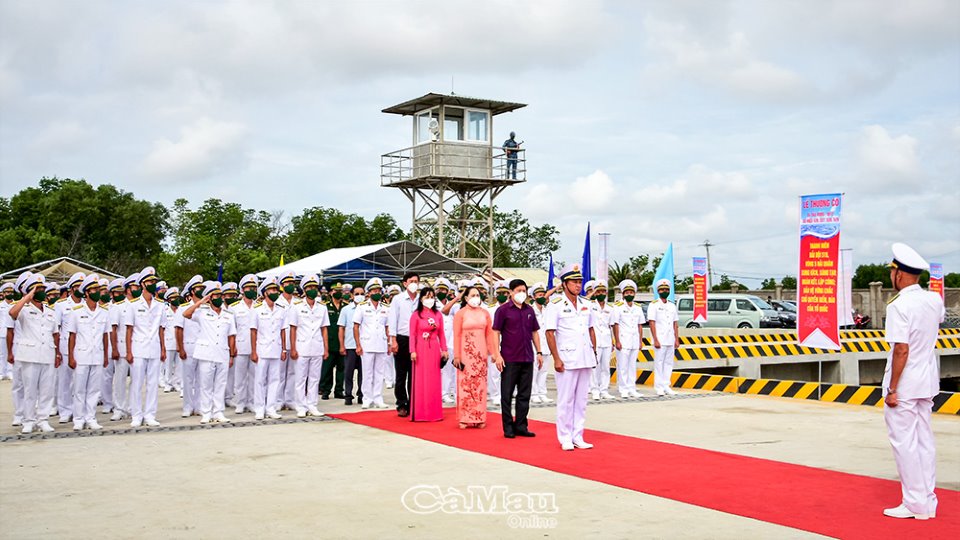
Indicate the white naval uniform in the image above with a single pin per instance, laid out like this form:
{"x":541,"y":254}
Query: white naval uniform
{"x":244,"y":371}
{"x":310,"y":323}
{"x":572,"y":323}
{"x":448,"y":374}
{"x":146,"y":319}
{"x":913,"y":317}
{"x":6,"y":370}
{"x":603,"y":318}
{"x":663,"y":314}
{"x":285,"y":392}
{"x":121,"y":369}
{"x":188,"y":366}
{"x":269,"y":324}
{"x":34,"y":350}
{"x":16,"y":391}
{"x":372,"y":321}
{"x":212,"y":352}
{"x":63,"y":310}
{"x":106,"y":387}
{"x":170,"y":370}
{"x":628,"y":319}
{"x":89,"y":328}
{"x":540,"y":373}
{"x":493,"y":374}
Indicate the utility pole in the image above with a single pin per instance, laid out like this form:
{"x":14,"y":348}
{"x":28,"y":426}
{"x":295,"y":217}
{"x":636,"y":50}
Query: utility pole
{"x":706,"y":244}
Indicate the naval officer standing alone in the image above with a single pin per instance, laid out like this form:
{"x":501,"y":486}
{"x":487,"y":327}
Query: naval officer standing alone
{"x":910,"y":382}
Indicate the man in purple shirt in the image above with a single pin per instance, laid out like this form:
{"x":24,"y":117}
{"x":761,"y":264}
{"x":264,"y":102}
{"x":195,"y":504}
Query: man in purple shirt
{"x":515,"y":325}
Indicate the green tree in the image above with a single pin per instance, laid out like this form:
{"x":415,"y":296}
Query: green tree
{"x":768,"y":284}
{"x":683,"y":285}
{"x":243,"y":239}
{"x":951,"y":280}
{"x":867,"y":273}
{"x":104,"y":226}
{"x":789,"y":283}
{"x":640,"y":268}
{"x":517,"y":243}
{"x":726,"y":284}
{"x":319,"y":229}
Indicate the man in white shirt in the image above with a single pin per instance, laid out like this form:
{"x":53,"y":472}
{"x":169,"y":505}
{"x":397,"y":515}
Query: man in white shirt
{"x":268,"y":346}
{"x":144,"y":319}
{"x":169,"y":371}
{"x":244,"y":371}
{"x":187,"y":332}
{"x":398,"y":326}
{"x":309,"y":321}
{"x":285,"y":393}
{"x":119,"y":347}
{"x":6,"y":300}
{"x":603,"y":315}
{"x":448,"y":373}
{"x":573,"y":344}
{"x":538,"y":393}
{"x":63,"y":308}
{"x":662,"y":314}
{"x":116,"y":296}
{"x":370,"y":333}
{"x":11,"y":294}
{"x":628,"y":337}
{"x":36,"y":342}
{"x":215,"y":349}
{"x":88,"y":342}
{"x":910,"y":382}
{"x":348,"y":346}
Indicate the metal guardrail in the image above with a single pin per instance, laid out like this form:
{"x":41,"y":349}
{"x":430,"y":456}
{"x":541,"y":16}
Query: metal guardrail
{"x":451,"y":160}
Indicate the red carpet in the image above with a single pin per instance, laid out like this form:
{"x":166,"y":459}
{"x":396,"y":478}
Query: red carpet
{"x":826,"y":502}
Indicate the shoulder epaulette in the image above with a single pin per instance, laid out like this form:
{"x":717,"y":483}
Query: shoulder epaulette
{"x":231,"y":304}
{"x":890,"y":301}
{"x":76,"y":307}
{"x":258,"y":304}
{"x":557,"y":300}
{"x":297,"y":301}
{"x":365,"y":302}
{"x":61,"y":300}
{"x":121,"y":302}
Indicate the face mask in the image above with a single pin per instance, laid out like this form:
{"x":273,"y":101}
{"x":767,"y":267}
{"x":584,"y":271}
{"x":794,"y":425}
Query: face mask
{"x":250,"y":295}
{"x":230,"y":299}
{"x":441,"y":296}
{"x":118,"y":298}
{"x":337,"y":295}
{"x":198,"y":293}
{"x":95,"y":296}
{"x":136,"y":293}
{"x":289,"y":289}
{"x":474,"y":301}
{"x":501,"y":298}
{"x":412,"y":287}
{"x":51,"y":300}
{"x":273,"y":296}
{"x":483,"y":297}
{"x":428,"y":303}
{"x":312,"y":293}
{"x":175,"y":302}
{"x":9,"y":297}
{"x":151,"y":288}
{"x":520,"y":297}
{"x":599,"y":297}
{"x":628,"y":297}
{"x":376,"y":297}
{"x":160,"y":295}
{"x":77,"y":294}
{"x":40,"y":296}
{"x":542,"y":300}
{"x":217,"y":302}
{"x":663,"y":294}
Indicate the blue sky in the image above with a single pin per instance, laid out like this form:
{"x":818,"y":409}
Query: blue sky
{"x":657,"y":121}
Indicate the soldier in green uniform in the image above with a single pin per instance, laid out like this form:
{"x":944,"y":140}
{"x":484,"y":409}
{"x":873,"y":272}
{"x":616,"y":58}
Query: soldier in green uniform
{"x":332,"y":368}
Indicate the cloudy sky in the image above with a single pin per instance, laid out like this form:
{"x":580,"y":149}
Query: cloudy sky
{"x":673,"y":121}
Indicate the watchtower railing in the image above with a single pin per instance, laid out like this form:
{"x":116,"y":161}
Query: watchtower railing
{"x":452,"y":160}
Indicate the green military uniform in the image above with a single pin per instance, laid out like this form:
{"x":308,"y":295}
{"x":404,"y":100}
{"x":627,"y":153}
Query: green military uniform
{"x":332,"y":367}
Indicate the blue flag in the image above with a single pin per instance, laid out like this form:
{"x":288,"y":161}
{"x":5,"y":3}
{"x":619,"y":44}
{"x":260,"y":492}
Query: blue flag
{"x":585,"y":263}
{"x":220,"y":273}
{"x":665,"y":271}
{"x":550,"y":275}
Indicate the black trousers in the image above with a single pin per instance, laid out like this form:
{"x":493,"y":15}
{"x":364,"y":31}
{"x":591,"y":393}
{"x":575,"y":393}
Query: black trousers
{"x":519,"y":376}
{"x":401,"y":361}
{"x":351,"y":365}
{"x":333,"y":363}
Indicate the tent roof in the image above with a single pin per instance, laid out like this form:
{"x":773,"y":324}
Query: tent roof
{"x":528,"y":275}
{"x":58,"y":270}
{"x":386,"y":261}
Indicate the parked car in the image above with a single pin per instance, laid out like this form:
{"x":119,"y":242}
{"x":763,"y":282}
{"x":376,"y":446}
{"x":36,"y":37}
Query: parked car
{"x":730,"y":311}
{"x":787,"y":311}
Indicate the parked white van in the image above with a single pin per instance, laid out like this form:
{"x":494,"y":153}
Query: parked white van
{"x":729,"y":311}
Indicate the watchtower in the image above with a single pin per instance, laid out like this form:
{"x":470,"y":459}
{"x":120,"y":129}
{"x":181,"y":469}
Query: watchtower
{"x":453,"y":172}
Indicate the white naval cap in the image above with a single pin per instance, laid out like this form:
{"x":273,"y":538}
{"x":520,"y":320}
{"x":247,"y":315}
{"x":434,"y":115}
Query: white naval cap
{"x":393,"y":289}
{"x":538,"y":287}
{"x":21,"y":279}
{"x":211,"y":287}
{"x":503,"y":285}
{"x":906,"y":259}
{"x":267,"y":283}
{"x":161,"y":285}
{"x":247,"y":280}
{"x":193,"y":282}
{"x":663,"y":283}
{"x":571,"y":272}
{"x":91,"y":280}
{"x":76,"y":279}
{"x":373,"y":283}
{"x":590,"y":285}
{"x":287,"y":277}
{"x":627,"y":285}
{"x":33,"y":281}
{"x":230,"y":286}
{"x":131,"y":279}
{"x":116,"y":285}
{"x":310,"y":279}
{"x":601,"y":284}
{"x":346,"y":287}
{"x":6,"y":286}
{"x":147,"y":274}
{"x":173,"y":292}
{"x":441,"y":283}
{"x":104,"y":282}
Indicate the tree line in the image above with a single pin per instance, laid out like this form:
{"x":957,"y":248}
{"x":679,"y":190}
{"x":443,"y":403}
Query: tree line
{"x":111,"y":228}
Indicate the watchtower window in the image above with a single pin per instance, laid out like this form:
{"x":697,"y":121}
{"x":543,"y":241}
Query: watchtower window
{"x":466,"y":125}
{"x":423,"y":125}
{"x":452,"y":124}
{"x":477,"y":122}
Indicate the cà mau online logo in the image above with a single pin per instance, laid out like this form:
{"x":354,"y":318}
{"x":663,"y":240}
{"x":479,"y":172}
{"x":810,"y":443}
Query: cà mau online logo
{"x":429,"y":499}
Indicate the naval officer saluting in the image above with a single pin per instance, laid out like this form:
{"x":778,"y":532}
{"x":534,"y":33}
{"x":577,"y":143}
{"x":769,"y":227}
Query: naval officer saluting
{"x":910,"y":382}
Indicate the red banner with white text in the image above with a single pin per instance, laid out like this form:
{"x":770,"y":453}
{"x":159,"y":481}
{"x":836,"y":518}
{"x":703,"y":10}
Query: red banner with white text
{"x":817,"y":315}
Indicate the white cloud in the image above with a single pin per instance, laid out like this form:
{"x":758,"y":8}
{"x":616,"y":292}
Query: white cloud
{"x":592,"y":193}
{"x":888,"y":160}
{"x":59,"y":136}
{"x":205,"y":148}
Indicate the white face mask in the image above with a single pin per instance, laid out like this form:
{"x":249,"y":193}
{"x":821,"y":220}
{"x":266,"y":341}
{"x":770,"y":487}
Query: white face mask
{"x":428,"y":303}
{"x":357,"y":299}
{"x":520,"y":297}
{"x":474,"y":301}
{"x":413,"y":287}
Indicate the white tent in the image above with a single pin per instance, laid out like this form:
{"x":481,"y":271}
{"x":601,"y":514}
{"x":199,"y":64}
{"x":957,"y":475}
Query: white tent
{"x":386,"y":261}
{"x":59,"y":269}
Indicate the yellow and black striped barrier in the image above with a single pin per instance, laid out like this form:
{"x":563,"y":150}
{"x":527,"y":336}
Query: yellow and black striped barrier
{"x":736,"y":339}
{"x":872,"y":396}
